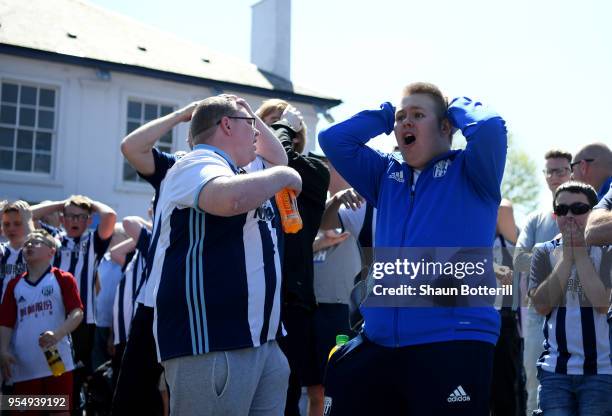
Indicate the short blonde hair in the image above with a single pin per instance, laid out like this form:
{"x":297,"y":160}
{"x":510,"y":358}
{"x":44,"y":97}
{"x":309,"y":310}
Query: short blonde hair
{"x":79,"y":201}
{"x":43,"y":235}
{"x":274,"y":105}
{"x":14,"y":206}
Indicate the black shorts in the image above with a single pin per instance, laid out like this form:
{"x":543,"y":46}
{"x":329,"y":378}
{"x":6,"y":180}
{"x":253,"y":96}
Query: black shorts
{"x":137,"y":389}
{"x":445,"y":378}
{"x":330,"y":319}
{"x":310,"y":338}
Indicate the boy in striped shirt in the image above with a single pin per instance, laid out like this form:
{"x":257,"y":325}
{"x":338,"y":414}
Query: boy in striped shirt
{"x":80,"y":252}
{"x":16,"y":225}
{"x":570,"y":284}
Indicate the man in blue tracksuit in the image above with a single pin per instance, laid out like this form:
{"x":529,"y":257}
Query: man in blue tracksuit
{"x":434,"y":360}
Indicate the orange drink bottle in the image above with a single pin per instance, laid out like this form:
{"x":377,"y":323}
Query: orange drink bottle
{"x":290,"y":216}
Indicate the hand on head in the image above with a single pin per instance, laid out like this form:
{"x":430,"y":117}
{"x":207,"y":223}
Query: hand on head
{"x":293,"y":117}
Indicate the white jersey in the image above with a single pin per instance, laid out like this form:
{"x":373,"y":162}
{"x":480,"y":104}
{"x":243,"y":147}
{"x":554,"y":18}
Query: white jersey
{"x":80,"y":257}
{"x":33,"y":308}
{"x":12,"y":265}
{"x":218,"y":279}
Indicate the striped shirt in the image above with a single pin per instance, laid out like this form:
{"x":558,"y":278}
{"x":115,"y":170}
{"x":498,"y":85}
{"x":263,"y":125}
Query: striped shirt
{"x":128,"y":289}
{"x":80,"y":257}
{"x":12,"y":265}
{"x":576,"y":337}
{"x":219,"y":277}
{"x":163,"y":162}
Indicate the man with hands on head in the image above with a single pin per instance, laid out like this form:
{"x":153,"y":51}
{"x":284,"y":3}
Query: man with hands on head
{"x":140,"y":358}
{"x":216,"y":269}
{"x":434,"y":360}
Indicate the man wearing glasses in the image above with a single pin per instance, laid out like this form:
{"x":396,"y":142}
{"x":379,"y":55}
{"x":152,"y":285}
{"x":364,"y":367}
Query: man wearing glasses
{"x":593,"y":165}
{"x":541,"y":227}
{"x":217,"y":269}
{"x":80,"y":252}
{"x":139,"y":368}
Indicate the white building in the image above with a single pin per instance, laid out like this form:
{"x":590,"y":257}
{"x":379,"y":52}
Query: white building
{"x":75,"y":79}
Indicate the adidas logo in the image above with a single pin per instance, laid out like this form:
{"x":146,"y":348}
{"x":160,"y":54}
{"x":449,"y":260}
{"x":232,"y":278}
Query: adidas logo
{"x":21,"y":299}
{"x":398,"y":176}
{"x":459,"y":395}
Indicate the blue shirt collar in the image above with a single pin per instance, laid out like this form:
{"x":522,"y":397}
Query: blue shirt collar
{"x":218,"y":151}
{"x":604,"y":188}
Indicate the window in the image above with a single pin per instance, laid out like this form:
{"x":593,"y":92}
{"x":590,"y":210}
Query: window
{"x":139,"y":113}
{"x":27,"y":127}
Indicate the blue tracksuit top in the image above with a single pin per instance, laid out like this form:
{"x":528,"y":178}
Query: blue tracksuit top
{"x":454,"y":204}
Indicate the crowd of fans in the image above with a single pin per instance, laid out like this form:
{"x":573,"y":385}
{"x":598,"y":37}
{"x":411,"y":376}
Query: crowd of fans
{"x":208,"y":308}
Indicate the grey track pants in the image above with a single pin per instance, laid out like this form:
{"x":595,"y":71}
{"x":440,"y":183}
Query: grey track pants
{"x":250,"y":381}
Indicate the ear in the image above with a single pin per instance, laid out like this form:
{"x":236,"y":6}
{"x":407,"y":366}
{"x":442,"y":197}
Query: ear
{"x":89,"y":221}
{"x":447,"y":128}
{"x":225,"y":126}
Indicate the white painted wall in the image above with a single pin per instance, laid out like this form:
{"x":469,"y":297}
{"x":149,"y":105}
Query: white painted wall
{"x":271,"y":36}
{"x":91,"y":122}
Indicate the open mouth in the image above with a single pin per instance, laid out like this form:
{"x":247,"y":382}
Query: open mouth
{"x":409,"y":139}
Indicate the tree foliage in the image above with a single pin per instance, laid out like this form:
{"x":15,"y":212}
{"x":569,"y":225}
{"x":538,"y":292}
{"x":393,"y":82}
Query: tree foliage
{"x":520,"y":183}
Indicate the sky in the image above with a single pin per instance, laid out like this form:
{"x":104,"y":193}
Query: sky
{"x":545,"y":66}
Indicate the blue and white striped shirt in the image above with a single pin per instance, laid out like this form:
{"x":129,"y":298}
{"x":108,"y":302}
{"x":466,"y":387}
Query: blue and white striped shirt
{"x":218,"y":278}
{"x":576,"y":338}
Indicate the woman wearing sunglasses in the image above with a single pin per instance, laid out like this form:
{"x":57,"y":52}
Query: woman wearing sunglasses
{"x":570,"y":284}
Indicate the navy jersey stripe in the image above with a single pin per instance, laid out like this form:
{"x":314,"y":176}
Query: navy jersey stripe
{"x":173,"y":299}
{"x":589,"y":343}
{"x":270,"y":277}
{"x":225,"y":283}
{"x":84,"y":278}
{"x":564,"y":355}
{"x":120,"y":319}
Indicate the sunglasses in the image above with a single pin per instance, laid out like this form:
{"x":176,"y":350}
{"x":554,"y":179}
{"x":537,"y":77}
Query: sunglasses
{"x":574,"y":164}
{"x":577,"y":208}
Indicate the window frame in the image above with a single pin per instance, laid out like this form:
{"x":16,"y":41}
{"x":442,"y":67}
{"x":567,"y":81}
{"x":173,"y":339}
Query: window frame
{"x":21,"y":176}
{"x":141,"y":186}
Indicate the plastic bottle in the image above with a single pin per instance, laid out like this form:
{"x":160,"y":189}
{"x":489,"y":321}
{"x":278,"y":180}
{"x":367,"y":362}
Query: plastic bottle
{"x":55,"y":361}
{"x":290,"y":216}
{"x":340,"y":341}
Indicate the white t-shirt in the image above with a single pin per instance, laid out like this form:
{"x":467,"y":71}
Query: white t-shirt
{"x":33,"y":308}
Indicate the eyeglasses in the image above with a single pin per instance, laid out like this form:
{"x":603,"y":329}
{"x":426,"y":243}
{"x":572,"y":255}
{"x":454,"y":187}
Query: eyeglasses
{"x":556,"y":172}
{"x":577,"y":208}
{"x":35,"y":244}
{"x":76,"y":217}
{"x":578,"y":162}
{"x":251,"y":119}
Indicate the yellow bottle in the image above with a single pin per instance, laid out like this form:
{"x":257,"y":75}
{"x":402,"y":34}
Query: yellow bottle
{"x":340,"y":341}
{"x":287,"y":206}
{"x":55,"y":361}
